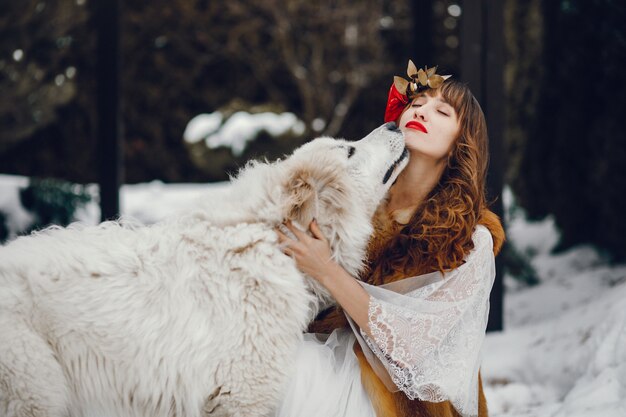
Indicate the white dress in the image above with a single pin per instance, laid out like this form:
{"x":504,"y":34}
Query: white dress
{"x":427,"y":336}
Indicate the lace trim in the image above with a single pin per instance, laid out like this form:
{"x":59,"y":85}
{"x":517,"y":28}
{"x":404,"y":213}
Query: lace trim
{"x":430,"y":345}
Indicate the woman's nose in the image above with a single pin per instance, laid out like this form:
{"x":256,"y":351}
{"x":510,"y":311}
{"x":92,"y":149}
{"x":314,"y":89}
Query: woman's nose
{"x":420,"y":113}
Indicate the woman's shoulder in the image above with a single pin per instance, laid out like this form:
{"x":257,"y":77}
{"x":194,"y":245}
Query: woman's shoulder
{"x":490,"y":223}
{"x":482,"y":236}
{"x":483,"y":245}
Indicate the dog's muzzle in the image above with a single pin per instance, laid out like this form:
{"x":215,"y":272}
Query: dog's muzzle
{"x":405,"y":153}
{"x":392,"y":126}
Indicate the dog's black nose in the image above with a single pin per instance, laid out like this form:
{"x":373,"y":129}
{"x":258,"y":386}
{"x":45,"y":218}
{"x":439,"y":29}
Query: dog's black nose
{"x":392,"y":126}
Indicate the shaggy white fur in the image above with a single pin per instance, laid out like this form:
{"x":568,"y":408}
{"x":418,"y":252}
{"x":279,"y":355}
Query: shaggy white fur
{"x":198,"y":315}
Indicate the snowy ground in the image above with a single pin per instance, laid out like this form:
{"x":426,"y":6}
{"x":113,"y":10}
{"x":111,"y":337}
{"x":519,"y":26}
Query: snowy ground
{"x":563,"y":352}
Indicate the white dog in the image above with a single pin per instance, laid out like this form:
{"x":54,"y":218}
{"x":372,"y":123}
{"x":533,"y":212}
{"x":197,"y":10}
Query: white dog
{"x":195,"y":316}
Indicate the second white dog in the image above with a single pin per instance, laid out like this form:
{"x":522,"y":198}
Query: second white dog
{"x":197,"y":315}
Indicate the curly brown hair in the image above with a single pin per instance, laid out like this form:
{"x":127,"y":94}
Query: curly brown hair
{"x":439,"y":234}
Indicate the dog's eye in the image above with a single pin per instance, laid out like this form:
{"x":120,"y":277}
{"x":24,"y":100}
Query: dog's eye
{"x":351,"y":151}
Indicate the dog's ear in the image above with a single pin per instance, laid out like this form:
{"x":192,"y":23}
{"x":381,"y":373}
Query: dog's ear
{"x":301,"y":197}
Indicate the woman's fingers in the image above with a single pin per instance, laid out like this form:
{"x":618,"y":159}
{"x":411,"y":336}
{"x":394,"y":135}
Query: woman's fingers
{"x":315,"y":230}
{"x":284,"y":242}
{"x":281,"y":236}
{"x":299,"y":234}
{"x":311,"y":253}
{"x":289,"y":246}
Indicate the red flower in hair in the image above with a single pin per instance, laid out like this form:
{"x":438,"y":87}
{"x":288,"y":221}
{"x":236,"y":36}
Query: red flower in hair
{"x":396,"y":102}
{"x":402,"y":91}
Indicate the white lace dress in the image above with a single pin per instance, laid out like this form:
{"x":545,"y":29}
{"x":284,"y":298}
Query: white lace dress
{"x":427,"y":336}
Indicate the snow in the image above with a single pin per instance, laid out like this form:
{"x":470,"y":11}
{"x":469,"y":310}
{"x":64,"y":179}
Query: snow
{"x":202,"y":126}
{"x":239,"y":129}
{"x":563,"y":350}
{"x":146,"y":203}
{"x":17,"y":218}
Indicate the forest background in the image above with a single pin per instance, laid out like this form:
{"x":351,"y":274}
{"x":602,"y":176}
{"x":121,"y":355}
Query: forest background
{"x":330,"y":63}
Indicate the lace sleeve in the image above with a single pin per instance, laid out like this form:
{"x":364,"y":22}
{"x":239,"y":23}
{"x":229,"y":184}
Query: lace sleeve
{"x":429,"y":337}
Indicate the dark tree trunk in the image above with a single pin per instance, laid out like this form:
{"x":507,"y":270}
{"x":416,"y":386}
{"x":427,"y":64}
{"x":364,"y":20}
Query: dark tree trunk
{"x":109,"y":122}
{"x":482,"y":58}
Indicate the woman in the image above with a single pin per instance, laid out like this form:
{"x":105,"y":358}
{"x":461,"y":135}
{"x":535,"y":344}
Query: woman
{"x":421,"y":320}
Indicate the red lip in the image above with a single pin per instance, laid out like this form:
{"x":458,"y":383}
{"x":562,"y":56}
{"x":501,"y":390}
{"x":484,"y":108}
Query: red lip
{"x":416,"y":125}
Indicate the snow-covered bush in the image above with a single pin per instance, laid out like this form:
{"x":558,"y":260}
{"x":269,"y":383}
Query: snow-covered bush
{"x":220,"y":142}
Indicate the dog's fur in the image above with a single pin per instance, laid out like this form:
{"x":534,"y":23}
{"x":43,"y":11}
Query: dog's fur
{"x":198,"y":315}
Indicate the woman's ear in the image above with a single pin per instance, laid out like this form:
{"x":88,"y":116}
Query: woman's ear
{"x":301,"y":198}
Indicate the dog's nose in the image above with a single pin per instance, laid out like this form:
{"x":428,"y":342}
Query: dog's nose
{"x":392,"y":126}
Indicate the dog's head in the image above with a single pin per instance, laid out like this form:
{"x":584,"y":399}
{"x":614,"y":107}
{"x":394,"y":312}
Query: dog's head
{"x":340,"y":184}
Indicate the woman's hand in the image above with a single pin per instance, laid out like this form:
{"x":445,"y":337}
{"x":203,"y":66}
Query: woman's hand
{"x":311,"y":253}
{"x":313,"y":257}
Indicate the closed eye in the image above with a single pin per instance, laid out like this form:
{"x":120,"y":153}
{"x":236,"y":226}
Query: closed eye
{"x":351,"y":151}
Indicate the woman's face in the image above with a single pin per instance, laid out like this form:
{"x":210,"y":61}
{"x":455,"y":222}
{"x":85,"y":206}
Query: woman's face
{"x":430,"y":127}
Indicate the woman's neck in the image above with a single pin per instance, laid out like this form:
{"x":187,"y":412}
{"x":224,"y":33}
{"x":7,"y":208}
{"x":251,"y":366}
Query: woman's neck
{"x":414,"y":183}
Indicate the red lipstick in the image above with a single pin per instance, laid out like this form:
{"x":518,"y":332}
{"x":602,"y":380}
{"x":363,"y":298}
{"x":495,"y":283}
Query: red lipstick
{"x":416,"y":125}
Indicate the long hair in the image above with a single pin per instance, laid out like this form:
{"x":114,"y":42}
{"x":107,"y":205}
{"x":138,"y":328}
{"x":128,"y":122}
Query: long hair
{"x":439,"y":234}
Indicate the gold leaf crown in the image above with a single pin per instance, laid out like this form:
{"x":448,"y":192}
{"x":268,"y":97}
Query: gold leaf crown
{"x":420,"y":80}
